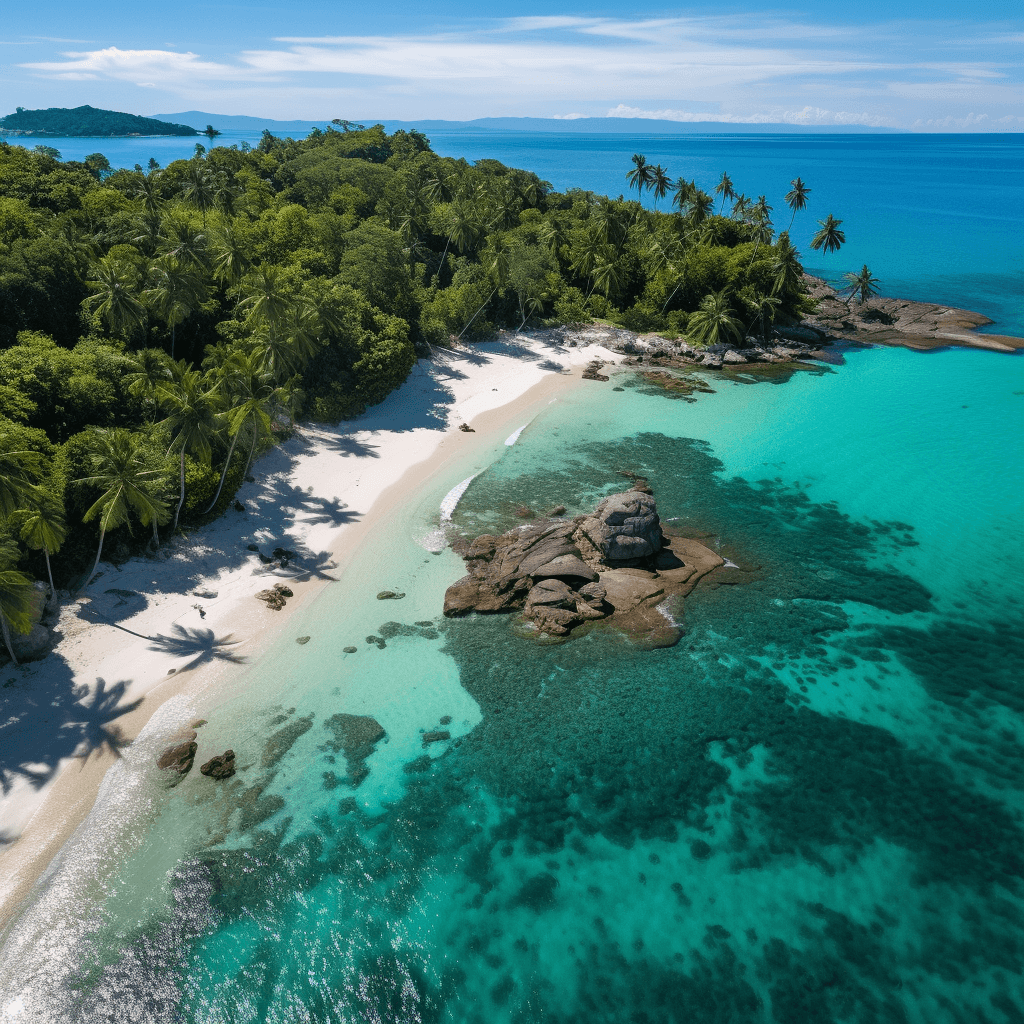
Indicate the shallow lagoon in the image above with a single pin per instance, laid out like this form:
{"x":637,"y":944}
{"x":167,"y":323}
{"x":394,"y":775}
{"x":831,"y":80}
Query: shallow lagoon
{"x":810,"y":809}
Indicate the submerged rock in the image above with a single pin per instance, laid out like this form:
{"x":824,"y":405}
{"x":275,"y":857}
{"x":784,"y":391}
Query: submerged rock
{"x":356,"y":736}
{"x":221,"y":766}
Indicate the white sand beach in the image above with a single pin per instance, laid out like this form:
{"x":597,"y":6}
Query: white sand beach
{"x":186,"y":622}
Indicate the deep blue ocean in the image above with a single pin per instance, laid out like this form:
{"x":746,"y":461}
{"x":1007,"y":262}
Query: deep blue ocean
{"x":939,"y":218}
{"x":810,"y":810}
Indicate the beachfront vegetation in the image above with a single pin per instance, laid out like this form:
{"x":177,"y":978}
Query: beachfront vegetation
{"x":158,"y":327}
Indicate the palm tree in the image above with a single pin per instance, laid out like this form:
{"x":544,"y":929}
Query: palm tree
{"x":642,"y":174}
{"x":19,"y":473}
{"x":608,"y":277}
{"x":786,"y":266}
{"x":131,"y":475}
{"x":113,"y":297}
{"x":230,"y":256}
{"x":199,"y":189}
{"x":177,"y":291}
{"x":760,"y":217}
{"x":193,"y":403}
{"x":149,"y":192}
{"x":864,"y":284}
{"x":585,"y":253}
{"x":714,"y":322}
{"x":497,"y":270}
{"x":829,"y":237}
{"x":266,"y":296}
{"x":44,"y":530}
{"x":701,"y":207}
{"x":15,"y":596}
{"x":796,"y":199}
{"x":684,"y":192}
{"x":187,"y":244}
{"x":725,"y":189}
{"x":254,"y":398}
{"x":764,"y":311}
{"x":148,"y":369}
{"x":661,"y":183}
{"x":741,"y":208}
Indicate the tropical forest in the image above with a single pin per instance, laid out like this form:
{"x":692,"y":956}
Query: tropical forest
{"x":161,"y":326}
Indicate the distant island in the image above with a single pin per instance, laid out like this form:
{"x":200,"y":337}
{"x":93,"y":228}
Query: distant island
{"x":579,"y":125}
{"x":87,"y":122}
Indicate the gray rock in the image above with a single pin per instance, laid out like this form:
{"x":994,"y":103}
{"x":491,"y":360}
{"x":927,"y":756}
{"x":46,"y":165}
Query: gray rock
{"x":622,"y":528}
{"x":437,"y":736}
{"x":390,"y":595}
{"x":733,"y":357}
{"x":33,"y":645}
{"x":205,"y":593}
{"x":565,"y":566}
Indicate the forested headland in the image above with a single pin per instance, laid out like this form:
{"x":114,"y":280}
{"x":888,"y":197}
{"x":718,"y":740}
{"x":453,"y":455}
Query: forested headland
{"x":159,"y":326}
{"x":88,"y":122}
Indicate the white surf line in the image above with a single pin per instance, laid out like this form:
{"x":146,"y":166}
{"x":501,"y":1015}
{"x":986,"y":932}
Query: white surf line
{"x":512,"y":438}
{"x":451,"y":500}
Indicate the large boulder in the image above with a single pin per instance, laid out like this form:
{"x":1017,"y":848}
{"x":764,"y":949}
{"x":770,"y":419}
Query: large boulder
{"x":33,"y":645}
{"x":623,"y":528}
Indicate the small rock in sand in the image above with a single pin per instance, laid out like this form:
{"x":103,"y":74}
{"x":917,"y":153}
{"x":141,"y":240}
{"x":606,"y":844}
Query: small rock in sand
{"x":466,"y":428}
{"x":302,"y":639}
{"x":350,"y":650}
{"x":436,"y":736}
{"x":390,"y":595}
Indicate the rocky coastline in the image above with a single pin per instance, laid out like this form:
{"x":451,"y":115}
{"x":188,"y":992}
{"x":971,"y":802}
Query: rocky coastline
{"x":821,"y":336}
{"x":616,"y":565}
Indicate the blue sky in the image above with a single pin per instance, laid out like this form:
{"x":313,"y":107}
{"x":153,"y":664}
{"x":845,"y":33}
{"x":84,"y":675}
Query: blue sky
{"x":938,"y":66}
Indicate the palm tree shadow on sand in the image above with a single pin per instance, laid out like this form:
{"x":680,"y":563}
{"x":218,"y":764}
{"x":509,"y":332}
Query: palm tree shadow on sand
{"x":199,"y":646}
{"x":93,"y":720}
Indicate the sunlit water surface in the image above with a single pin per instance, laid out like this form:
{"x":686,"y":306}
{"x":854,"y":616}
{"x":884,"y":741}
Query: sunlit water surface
{"x":808,"y":810}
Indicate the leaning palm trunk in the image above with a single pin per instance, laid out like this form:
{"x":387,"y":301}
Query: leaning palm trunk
{"x":181,"y":499}
{"x":476,"y":314}
{"x":224,"y":473}
{"x":252,"y":449}
{"x":49,"y":571}
{"x":92,"y":571}
{"x":7,"y":637}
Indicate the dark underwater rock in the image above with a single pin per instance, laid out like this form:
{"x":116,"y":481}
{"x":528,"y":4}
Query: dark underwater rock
{"x":221,"y":766}
{"x":356,"y":736}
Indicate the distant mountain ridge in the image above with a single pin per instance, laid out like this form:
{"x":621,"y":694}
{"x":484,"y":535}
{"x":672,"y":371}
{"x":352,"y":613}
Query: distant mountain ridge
{"x":88,"y":122}
{"x":582,"y":125}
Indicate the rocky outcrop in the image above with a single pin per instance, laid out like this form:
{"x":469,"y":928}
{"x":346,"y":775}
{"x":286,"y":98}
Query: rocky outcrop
{"x":178,"y":759}
{"x":221,"y":766}
{"x":883,"y":321}
{"x":355,"y":736}
{"x":615,"y":564}
{"x":623,"y":528}
{"x":276,"y":597}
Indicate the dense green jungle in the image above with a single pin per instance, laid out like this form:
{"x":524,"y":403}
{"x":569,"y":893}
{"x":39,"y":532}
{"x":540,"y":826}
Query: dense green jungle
{"x":160,"y":326}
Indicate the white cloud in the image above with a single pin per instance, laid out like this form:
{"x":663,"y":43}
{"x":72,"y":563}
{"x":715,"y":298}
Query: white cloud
{"x":165,"y":66}
{"x":752,"y":68}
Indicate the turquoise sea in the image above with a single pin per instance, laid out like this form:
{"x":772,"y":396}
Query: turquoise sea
{"x":810,"y":810}
{"x":938,"y":218}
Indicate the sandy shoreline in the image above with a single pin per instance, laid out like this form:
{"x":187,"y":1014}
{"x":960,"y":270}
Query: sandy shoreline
{"x":65,"y":719}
